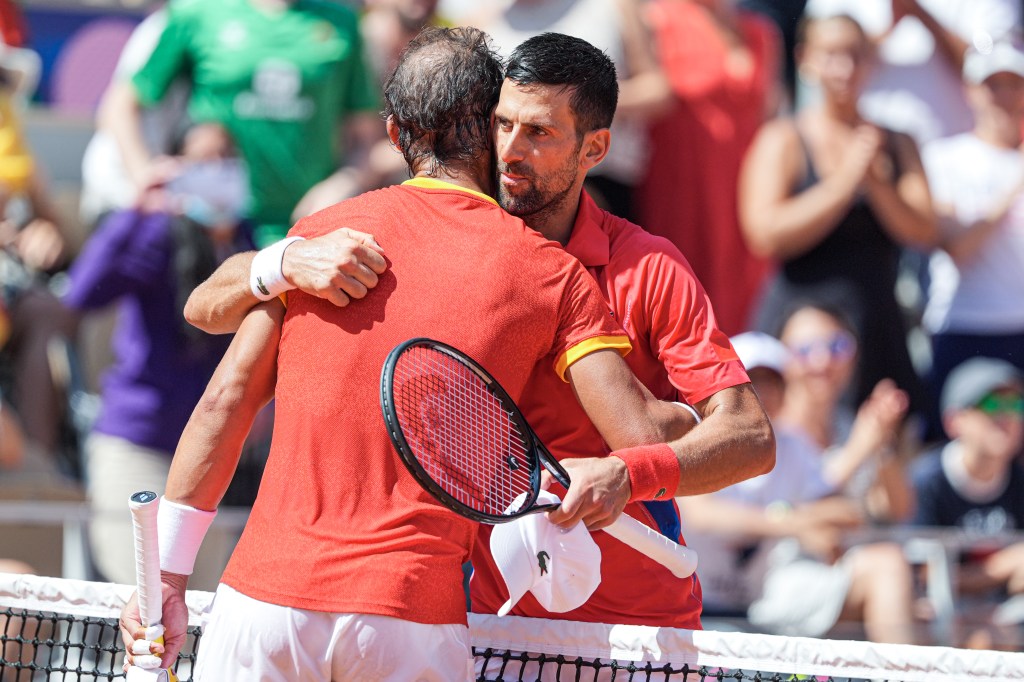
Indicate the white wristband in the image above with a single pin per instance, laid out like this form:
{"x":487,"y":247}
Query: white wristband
{"x":265,"y":277}
{"x":181,"y":530}
{"x":691,"y":410}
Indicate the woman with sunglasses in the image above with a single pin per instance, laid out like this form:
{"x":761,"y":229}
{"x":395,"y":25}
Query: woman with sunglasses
{"x":862,"y":456}
{"x":834,"y":199}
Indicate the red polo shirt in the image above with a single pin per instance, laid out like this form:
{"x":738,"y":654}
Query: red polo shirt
{"x":679,"y":354}
{"x":339,"y":525}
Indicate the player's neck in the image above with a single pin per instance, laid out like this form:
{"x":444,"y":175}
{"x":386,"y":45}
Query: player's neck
{"x":469,"y":177}
{"x":556,"y":220}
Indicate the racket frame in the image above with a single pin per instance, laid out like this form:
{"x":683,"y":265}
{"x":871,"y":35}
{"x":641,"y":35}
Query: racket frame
{"x":532,"y":446}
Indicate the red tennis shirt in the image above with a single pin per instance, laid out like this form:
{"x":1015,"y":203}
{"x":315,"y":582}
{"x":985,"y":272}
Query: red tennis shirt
{"x":679,"y":354}
{"x":339,"y":525}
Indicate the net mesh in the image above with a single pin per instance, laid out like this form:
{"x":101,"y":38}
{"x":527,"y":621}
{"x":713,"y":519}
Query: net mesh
{"x":459,"y":431}
{"x":56,"y":629}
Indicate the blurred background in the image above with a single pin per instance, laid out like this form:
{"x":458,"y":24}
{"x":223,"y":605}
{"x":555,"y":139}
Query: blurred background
{"x":850,"y":187}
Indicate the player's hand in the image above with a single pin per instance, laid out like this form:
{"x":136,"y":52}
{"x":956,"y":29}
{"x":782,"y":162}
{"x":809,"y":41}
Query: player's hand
{"x":175,"y":622}
{"x":338,"y":266}
{"x":599,"y":492}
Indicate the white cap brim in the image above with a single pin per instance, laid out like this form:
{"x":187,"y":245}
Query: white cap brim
{"x":572,"y":565}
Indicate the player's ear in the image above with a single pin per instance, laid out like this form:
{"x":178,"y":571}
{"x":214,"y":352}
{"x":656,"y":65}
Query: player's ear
{"x":595,"y":147}
{"x":392,"y":129}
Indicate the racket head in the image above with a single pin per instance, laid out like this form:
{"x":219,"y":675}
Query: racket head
{"x":459,"y":433}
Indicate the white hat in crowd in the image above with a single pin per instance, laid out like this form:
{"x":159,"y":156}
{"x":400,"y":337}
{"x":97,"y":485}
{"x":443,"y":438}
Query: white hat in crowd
{"x":757,"y":349}
{"x":987,"y":58}
{"x":562,"y":568}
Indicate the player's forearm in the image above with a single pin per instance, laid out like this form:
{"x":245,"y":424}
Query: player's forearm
{"x":620,"y":407}
{"x":734,"y":442}
{"x":243,"y":383}
{"x":218,"y":305}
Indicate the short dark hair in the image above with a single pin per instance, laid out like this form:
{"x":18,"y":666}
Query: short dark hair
{"x":558,"y":59}
{"x":441,"y":96}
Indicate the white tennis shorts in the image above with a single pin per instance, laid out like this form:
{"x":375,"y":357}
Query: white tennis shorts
{"x":247,"y":639}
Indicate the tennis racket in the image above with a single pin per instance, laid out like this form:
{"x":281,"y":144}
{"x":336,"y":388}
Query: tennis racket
{"x":144,"y":506}
{"x":465,"y":441}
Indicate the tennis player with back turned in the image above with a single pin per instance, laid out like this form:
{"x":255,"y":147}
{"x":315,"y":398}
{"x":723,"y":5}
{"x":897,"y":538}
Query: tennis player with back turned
{"x":345,"y":559}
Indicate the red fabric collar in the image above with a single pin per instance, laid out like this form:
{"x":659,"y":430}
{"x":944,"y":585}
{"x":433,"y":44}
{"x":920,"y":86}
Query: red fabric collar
{"x":588,"y":242}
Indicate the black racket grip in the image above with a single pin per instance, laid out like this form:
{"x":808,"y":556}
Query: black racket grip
{"x":552,"y":465}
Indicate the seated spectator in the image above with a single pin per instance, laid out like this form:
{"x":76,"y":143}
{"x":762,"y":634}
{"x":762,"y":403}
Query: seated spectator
{"x":977,"y":181}
{"x":150,"y":259}
{"x":974,"y":482}
{"x":834,"y":199}
{"x":861,"y":448}
{"x":771,"y":547}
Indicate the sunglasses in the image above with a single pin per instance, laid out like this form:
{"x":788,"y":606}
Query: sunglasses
{"x":994,"y":404}
{"x":838,"y":346}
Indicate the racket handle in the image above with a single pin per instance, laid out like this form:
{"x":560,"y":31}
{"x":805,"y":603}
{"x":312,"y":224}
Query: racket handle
{"x":136,"y":674}
{"x":144,"y":506}
{"x":679,"y":559}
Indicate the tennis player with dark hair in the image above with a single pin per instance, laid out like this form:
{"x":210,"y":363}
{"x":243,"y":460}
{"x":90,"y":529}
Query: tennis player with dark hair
{"x":551,"y":126}
{"x":345,"y":559}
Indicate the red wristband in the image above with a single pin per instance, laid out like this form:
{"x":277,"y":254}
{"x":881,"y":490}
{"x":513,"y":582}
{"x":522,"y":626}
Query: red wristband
{"x":653,"y":471}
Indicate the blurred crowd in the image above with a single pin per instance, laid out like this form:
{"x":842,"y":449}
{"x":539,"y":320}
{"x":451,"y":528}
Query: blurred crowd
{"x":845,"y":178}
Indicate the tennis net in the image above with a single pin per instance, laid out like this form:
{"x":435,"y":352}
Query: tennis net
{"x":55,"y":629}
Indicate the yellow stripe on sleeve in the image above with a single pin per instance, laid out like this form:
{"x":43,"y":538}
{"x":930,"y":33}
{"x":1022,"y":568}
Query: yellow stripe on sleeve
{"x":584,"y":348}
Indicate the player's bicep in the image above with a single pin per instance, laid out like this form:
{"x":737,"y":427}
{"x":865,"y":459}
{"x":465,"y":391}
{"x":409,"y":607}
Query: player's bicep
{"x":584,"y":322}
{"x":621,"y":408}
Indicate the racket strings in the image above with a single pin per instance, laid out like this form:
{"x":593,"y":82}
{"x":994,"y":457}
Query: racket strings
{"x":461,"y":434}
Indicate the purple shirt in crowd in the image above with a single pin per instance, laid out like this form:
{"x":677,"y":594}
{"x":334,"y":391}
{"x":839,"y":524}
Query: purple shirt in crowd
{"x":158,"y":375}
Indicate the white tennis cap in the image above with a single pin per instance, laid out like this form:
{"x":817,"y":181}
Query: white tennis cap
{"x":757,"y":349}
{"x":1002,"y":56}
{"x":562,"y":568}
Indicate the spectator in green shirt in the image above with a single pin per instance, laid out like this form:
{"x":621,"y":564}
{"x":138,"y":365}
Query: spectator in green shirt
{"x":282,"y":76}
